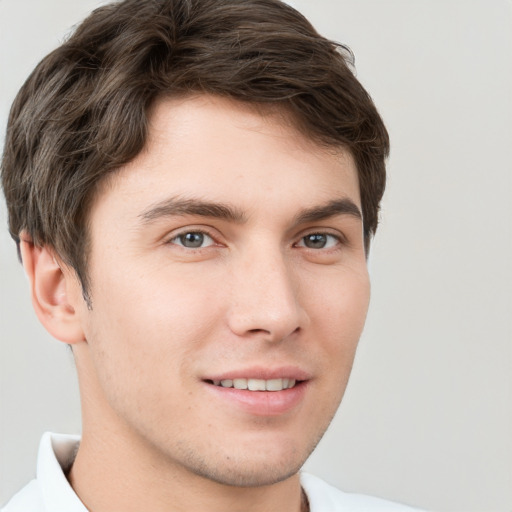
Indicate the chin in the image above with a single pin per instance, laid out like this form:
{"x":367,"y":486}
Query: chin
{"x":250,"y":467}
{"x":248,"y":474}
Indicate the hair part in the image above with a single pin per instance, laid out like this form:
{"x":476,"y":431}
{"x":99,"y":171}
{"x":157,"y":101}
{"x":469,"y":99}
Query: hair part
{"x":83,"y":112}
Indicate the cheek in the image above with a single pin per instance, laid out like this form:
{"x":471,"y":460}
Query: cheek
{"x":339,"y":316}
{"x":152,"y":317}
{"x":341,"y":304}
{"x":143,"y":338}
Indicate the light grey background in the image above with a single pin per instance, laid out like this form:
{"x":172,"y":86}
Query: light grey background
{"x":427,"y":418}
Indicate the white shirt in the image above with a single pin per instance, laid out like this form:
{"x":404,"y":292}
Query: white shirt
{"x":51,"y":492}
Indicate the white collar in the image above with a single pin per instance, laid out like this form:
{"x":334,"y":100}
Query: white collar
{"x":56,"y":455}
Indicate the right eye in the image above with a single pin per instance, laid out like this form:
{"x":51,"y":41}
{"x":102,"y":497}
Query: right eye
{"x":192,"y":240}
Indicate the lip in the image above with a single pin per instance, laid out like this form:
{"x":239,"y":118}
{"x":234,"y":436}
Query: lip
{"x":263,"y":372}
{"x":261,"y":403}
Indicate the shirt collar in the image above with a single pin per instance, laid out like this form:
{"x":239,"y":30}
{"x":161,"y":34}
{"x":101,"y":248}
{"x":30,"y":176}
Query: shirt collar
{"x":56,"y":455}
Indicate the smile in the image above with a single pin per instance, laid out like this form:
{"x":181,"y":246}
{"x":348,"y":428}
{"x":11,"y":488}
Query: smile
{"x":256,"y":384}
{"x":260,"y":392}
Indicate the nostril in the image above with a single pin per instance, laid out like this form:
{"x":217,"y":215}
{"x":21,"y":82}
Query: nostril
{"x":272,"y":335}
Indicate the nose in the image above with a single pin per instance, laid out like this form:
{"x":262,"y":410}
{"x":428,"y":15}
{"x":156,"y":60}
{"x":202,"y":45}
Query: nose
{"x":265,"y":298}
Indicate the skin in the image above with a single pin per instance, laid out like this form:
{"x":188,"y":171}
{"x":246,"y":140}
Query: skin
{"x":260,"y":292}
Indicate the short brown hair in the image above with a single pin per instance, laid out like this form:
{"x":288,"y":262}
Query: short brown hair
{"x":82,"y":113}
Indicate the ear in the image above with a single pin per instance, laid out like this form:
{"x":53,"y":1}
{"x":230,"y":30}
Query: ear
{"x":55,"y":292}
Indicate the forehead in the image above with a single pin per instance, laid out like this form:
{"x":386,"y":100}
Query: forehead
{"x":219,"y":149}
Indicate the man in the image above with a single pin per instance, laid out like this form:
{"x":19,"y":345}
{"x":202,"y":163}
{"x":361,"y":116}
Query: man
{"x":193,"y":186}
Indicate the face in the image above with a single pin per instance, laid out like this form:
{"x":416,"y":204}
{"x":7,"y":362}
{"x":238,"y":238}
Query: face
{"x":229,"y":289}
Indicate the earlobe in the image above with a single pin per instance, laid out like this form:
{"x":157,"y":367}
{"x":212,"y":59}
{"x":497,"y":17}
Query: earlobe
{"x":52,"y":292}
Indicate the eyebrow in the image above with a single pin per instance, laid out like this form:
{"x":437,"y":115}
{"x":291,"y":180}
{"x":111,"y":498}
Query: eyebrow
{"x":344,"y":206}
{"x":176,"y":207}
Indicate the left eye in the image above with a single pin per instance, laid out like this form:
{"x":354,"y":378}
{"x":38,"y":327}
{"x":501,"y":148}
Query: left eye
{"x":193,"y":240}
{"x":318,"y":241}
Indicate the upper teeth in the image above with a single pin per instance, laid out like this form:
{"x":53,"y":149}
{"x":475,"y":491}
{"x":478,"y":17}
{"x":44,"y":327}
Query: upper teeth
{"x":257,"y":384}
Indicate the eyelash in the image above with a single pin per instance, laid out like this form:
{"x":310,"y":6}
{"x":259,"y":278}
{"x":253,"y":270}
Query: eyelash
{"x":338,"y":240}
{"x":191,"y":232}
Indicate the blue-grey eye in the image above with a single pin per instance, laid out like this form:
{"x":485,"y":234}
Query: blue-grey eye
{"x":318,"y":241}
{"x":193,"y":240}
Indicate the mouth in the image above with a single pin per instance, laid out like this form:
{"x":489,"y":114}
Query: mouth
{"x":260,"y":390}
{"x":259,"y":397}
{"x":253,"y":384}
